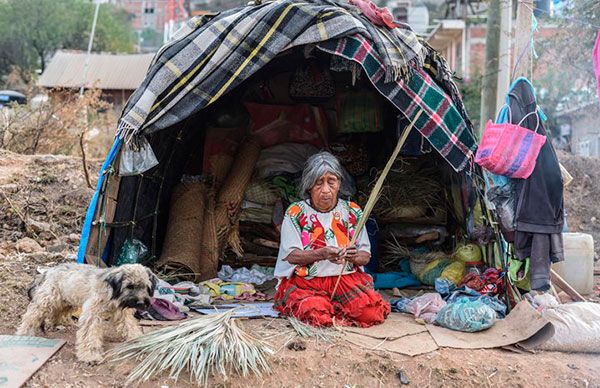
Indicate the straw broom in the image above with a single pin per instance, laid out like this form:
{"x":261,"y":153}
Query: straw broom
{"x":374,"y":196}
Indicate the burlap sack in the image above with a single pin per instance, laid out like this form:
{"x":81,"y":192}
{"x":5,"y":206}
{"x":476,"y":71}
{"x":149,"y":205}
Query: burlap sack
{"x":182,"y":247}
{"x":233,"y":189}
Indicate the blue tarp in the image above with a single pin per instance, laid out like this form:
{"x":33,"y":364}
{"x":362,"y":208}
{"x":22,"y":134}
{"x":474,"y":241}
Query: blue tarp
{"x":89,"y":215}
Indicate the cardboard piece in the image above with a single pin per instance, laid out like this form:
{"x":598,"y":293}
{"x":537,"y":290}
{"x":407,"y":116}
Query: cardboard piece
{"x":22,"y":356}
{"x":409,"y":345}
{"x":396,"y":326}
{"x":523,"y":323}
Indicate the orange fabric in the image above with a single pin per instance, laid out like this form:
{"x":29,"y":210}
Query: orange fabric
{"x":356,"y":303}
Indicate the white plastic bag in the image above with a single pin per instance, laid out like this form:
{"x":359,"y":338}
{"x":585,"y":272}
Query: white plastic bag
{"x":136,"y":162}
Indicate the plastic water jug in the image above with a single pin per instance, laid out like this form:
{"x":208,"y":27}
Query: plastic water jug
{"x":578,"y":267}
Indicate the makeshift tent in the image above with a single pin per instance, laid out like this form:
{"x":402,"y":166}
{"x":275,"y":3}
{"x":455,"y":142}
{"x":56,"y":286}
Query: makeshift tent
{"x":259,"y":68}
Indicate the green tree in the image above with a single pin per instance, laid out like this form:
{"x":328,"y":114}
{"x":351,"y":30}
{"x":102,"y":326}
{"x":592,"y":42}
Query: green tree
{"x":564,"y":73}
{"x":151,"y":38}
{"x":31,"y":30}
{"x":471,"y":95}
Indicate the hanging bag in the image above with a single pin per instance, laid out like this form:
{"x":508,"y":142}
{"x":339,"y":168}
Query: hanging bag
{"x":359,"y":112}
{"x":510,"y":149}
{"x":312,"y":84}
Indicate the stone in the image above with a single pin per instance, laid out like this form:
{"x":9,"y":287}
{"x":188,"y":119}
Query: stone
{"x":46,"y":236}
{"x":57,"y":248}
{"x":38,"y":226}
{"x":73,"y":238}
{"x":28,"y":245}
{"x":39,"y":256}
{"x":9,"y":188}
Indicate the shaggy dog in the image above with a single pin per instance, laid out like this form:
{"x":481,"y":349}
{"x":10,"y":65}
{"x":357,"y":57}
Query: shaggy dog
{"x":107,"y":297}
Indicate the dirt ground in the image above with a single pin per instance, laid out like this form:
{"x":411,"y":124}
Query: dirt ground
{"x":44,"y":198}
{"x":582,"y":196}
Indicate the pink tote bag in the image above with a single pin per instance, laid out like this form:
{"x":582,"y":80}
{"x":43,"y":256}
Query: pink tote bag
{"x":509,"y":149}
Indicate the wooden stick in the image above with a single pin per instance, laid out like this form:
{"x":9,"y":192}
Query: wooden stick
{"x":374,"y":196}
{"x":563,"y":285}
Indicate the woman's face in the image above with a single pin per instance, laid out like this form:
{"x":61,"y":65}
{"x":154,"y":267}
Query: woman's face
{"x":324,"y":194}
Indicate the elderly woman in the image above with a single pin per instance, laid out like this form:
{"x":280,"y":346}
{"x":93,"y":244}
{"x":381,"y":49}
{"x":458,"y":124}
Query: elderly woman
{"x":315,"y":237}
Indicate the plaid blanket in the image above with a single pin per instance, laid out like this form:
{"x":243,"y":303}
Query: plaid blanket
{"x":214,"y":54}
{"x":441,"y":122}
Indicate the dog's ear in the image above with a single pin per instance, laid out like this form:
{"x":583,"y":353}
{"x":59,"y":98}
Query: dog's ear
{"x":115,"y":281}
{"x":153,"y":279}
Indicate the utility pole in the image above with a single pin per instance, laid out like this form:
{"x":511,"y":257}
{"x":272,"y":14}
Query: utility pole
{"x":523,"y":61}
{"x":86,"y":66}
{"x":504,"y":63}
{"x":489,"y":85}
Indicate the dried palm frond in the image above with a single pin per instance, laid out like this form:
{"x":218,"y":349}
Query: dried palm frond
{"x":205,"y":345}
{"x":307,"y":331}
{"x":394,"y":252}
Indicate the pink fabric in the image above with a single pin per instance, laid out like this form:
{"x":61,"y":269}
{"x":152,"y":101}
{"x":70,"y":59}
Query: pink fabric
{"x":509,"y":150}
{"x":377,"y":16}
{"x":596,"y":58}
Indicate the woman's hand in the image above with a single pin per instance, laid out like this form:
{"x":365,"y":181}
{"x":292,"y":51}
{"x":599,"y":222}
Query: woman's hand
{"x":354,"y":256}
{"x":330,"y":253}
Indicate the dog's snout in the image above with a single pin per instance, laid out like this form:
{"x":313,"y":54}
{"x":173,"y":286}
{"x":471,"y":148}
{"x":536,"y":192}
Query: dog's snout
{"x":143,"y":303}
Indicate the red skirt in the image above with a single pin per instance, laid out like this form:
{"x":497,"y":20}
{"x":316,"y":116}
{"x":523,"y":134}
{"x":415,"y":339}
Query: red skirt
{"x":355,"y":303}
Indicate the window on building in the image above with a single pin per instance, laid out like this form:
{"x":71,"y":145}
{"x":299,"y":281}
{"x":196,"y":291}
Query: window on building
{"x":583,"y":148}
{"x":148,"y":10}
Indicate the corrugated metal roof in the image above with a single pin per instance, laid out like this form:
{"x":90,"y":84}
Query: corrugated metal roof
{"x":106,"y":71}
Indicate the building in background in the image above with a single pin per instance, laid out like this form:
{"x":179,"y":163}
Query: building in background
{"x":580,"y":130}
{"x":117,"y":76}
{"x":202,"y":7}
{"x":154,"y":21}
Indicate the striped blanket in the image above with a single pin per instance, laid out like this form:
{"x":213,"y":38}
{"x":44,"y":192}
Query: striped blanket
{"x":441,"y":122}
{"x":212,"y":55}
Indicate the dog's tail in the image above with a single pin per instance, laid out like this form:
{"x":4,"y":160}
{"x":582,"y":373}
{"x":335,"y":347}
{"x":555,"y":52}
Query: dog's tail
{"x":39,"y":279}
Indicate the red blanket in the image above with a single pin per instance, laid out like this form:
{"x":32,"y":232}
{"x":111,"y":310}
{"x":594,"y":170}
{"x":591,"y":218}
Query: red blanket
{"x":355,"y":303}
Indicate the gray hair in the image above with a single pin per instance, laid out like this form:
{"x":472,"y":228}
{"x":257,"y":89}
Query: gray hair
{"x":316,"y":166}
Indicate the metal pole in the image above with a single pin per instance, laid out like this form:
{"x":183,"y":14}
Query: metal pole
{"x":89,"y":49}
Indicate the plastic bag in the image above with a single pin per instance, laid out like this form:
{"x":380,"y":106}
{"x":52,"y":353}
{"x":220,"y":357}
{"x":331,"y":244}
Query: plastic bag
{"x":501,"y":193}
{"x":442,"y":269}
{"x":518,"y":272}
{"x":469,"y":252}
{"x":454,"y":272}
{"x":132,"y":252}
{"x":432,"y":271}
{"x":425,"y":306}
{"x":136,"y":162}
{"x":466,"y":315}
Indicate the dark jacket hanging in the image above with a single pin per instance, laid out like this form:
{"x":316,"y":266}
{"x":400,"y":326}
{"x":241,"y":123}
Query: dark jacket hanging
{"x":540,"y":197}
{"x":539,"y":214}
